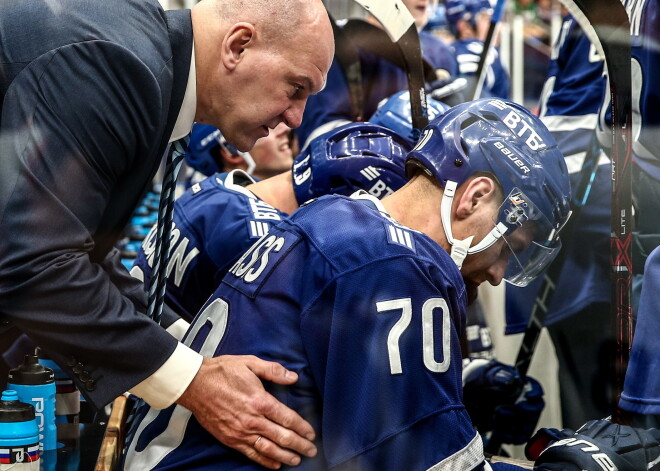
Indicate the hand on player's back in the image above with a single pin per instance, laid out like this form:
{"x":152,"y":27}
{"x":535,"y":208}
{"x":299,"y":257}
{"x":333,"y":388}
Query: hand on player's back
{"x":229,"y":401}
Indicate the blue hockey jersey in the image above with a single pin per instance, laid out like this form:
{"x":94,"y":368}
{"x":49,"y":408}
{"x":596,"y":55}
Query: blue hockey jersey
{"x":468,"y":52}
{"x":572,"y":97}
{"x":641,"y":390}
{"x":369,"y":314}
{"x":214,"y":222}
{"x":380,"y":80}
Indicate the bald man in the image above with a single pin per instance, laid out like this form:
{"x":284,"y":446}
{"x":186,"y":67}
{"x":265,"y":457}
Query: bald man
{"x":92,"y":92}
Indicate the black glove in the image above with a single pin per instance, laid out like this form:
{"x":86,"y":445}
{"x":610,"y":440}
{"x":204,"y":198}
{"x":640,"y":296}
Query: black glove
{"x":515,"y":423}
{"x":599,"y":445}
{"x":498,"y":399}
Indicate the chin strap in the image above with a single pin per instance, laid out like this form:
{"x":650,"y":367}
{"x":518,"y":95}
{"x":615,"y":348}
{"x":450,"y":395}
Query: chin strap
{"x":249,"y":161}
{"x":461,"y":248}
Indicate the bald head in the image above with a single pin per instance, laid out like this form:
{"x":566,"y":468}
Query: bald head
{"x":257,"y":62}
{"x":280,"y":19}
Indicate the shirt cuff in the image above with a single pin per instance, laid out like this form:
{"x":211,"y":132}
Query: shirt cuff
{"x":178,"y":329}
{"x":159,"y":390}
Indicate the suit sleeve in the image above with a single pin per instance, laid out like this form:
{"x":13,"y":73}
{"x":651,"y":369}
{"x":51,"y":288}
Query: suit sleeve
{"x":390,"y":343}
{"x":73,"y":122}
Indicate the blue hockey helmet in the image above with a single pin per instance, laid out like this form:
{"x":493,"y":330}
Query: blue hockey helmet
{"x":506,"y":140}
{"x":437,"y":18}
{"x":204,"y":147}
{"x":355,"y":156}
{"x":394,"y":113}
{"x":465,"y":10}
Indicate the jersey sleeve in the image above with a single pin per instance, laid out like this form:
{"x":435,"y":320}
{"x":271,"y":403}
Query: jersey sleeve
{"x":383,"y":346}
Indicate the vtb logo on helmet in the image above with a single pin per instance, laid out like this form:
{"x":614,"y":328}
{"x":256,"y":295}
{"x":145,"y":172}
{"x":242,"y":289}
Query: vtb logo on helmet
{"x":356,"y":156}
{"x":507,"y":141}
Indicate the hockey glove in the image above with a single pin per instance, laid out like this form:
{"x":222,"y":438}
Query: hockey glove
{"x":486,"y":386}
{"x":599,"y":445}
{"x":515,"y":423}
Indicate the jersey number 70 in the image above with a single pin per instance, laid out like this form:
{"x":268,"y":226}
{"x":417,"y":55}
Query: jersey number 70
{"x":428,"y":342}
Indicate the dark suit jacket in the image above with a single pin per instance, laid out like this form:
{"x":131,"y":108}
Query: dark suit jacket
{"x":90,"y":92}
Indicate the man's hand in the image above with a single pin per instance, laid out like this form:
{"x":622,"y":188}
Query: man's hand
{"x":229,"y":401}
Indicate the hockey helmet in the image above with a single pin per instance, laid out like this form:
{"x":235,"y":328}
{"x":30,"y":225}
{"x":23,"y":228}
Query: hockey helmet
{"x":437,"y":18}
{"x":204,"y":147}
{"x":465,"y":10}
{"x":352,"y":157}
{"x":506,"y":140}
{"x":394,"y":113}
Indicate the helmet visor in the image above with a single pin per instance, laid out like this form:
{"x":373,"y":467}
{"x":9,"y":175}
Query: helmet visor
{"x":532,"y":241}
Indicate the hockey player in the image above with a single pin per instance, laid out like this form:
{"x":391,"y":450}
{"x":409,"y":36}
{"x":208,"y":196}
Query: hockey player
{"x":209,"y":153}
{"x":379,"y":78}
{"x":573,"y":95}
{"x":468,"y":21}
{"x":366,"y":300}
{"x":216,"y":220}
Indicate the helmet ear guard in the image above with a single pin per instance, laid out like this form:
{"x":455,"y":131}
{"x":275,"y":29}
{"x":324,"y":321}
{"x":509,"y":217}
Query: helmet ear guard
{"x":356,"y":156}
{"x":509,"y":142}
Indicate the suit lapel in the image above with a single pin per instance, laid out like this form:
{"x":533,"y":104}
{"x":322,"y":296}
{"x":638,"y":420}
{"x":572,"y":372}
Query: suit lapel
{"x":179,"y":25}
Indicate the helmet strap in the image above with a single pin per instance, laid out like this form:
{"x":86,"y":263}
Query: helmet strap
{"x":461,"y":248}
{"x":249,"y":161}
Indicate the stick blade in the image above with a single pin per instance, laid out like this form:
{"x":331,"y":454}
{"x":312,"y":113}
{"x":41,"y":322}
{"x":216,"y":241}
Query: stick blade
{"x":392,"y":14}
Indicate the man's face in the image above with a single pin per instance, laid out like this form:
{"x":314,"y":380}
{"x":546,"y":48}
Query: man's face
{"x":419,"y":11}
{"x":271,"y":86}
{"x":490,"y":265}
{"x":272,"y":154}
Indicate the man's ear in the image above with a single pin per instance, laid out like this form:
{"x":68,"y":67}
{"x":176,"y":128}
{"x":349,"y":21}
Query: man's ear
{"x":239,"y":37}
{"x":231,"y":161}
{"x":477,"y":192}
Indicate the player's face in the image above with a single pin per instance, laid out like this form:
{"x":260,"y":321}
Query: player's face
{"x":419,"y":11}
{"x":273,"y":84}
{"x":482,"y":22}
{"x":272,"y":154}
{"x":490,"y":265}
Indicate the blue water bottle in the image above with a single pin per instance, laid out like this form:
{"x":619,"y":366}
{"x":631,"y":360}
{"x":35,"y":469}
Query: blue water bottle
{"x":19,"y":434}
{"x":67,"y":395}
{"x":35,"y":384}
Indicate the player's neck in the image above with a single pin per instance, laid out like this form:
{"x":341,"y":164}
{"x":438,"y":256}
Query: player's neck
{"x":417,"y":205}
{"x":277,"y":191}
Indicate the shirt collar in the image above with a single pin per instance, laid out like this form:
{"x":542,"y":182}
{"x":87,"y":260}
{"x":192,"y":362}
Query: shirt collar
{"x":188,"y":109}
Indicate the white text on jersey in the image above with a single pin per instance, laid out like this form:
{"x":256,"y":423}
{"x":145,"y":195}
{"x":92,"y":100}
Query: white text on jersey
{"x":257,"y":253}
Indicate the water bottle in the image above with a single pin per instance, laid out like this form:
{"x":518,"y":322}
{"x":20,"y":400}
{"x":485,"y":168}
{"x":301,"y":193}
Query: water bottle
{"x":19,"y":434}
{"x":67,"y":395}
{"x":35,"y":384}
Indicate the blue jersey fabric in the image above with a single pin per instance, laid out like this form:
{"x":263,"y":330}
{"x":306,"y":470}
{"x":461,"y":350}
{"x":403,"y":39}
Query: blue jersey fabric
{"x":380,"y":80}
{"x":641,"y":390}
{"x":468,"y":52}
{"x":214,"y":222}
{"x":369,"y":314}
{"x":573,"y":94}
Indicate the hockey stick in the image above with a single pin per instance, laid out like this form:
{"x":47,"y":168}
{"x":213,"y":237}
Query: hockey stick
{"x":399,"y":24}
{"x":348,"y":58}
{"x":547,"y":289}
{"x":607,"y":24}
{"x":488,"y":44}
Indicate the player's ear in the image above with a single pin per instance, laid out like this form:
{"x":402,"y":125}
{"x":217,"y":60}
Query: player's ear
{"x":478,"y":192}
{"x":239,"y":37}
{"x":231,"y":161}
